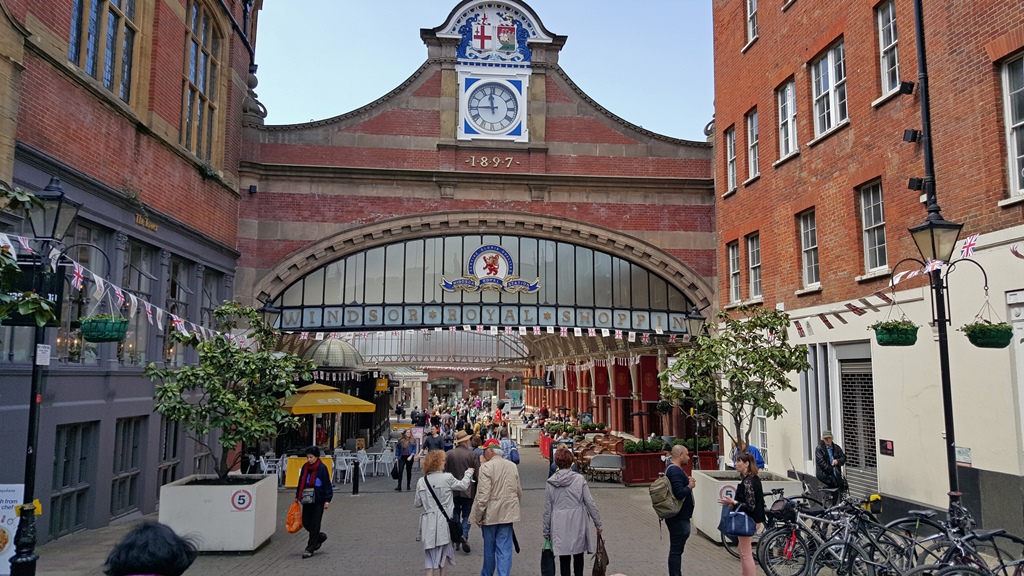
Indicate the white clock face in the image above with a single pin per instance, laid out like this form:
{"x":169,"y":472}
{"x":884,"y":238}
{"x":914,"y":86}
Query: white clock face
{"x":492,"y":107}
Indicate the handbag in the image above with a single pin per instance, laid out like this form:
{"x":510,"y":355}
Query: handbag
{"x":454,"y":526}
{"x":294,"y":521}
{"x":308,"y":496}
{"x":600,"y":558}
{"x":547,"y":559}
{"x":395,"y":475}
{"x":736,"y":523}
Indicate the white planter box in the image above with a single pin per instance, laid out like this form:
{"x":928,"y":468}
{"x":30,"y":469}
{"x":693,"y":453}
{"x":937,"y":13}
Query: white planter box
{"x":713,"y":484}
{"x":530,"y":437}
{"x":221,"y":518}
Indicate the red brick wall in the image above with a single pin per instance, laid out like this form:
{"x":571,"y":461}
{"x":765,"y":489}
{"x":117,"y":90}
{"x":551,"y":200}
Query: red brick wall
{"x":968,"y":134}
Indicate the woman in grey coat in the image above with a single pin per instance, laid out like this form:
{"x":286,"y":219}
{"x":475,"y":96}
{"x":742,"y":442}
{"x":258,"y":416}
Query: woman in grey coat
{"x":566,"y":496}
{"x":438,"y":552}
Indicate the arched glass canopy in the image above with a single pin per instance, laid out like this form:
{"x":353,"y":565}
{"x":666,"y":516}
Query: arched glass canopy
{"x":482,"y":280}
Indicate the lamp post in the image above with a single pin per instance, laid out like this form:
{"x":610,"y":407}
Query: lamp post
{"x":936,"y":238}
{"x":50,"y":222}
{"x":271,"y":314}
{"x":695,"y":323}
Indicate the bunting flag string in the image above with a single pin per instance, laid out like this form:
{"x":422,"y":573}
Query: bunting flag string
{"x":5,"y":242}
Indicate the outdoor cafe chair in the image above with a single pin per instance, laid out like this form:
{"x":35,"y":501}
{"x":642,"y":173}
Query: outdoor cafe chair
{"x":363,"y":463}
{"x":384,"y":462}
{"x":343,"y":469}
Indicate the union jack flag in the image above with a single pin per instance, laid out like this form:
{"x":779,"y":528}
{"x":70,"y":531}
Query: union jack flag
{"x":933,"y":266}
{"x":671,"y":338}
{"x":881,"y":296}
{"x":304,"y":336}
{"x":536,"y":330}
{"x":508,"y":329}
{"x":799,"y":328}
{"x":967,"y":250}
{"x":592,"y":332}
{"x":855,"y":309}
{"x":563,"y":332}
{"x":618,"y":334}
{"x":78,"y":278}
{"x":645,"y":338}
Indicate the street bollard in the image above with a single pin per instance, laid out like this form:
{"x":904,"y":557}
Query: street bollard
{"x":355,"y":478}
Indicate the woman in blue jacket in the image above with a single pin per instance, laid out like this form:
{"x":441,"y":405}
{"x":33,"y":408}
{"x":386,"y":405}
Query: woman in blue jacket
{"x":314,"y":493}
{"x":405,"y":450}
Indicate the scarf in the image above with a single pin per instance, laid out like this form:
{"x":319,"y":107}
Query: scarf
{"x":307,"y":468}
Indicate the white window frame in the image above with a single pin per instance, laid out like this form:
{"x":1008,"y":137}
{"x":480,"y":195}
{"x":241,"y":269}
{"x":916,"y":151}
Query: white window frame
{"x":828,"y":80}
{"x":760,"y":433}
{"x":786,"y":97}
{"x":809,"y":249}
{"x":872,"y":210}
{"x":730,"y":157}
{"x":754,"y":264}
{"x":1014,"y":126}
{"x":888,"y":53}
{"x":751,"y":20}
{"x":733,"y":251}
{"x":753,"y":165}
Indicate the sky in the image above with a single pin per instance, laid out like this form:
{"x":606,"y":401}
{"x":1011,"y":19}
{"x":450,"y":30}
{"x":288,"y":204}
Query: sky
{"x":648,"y":62}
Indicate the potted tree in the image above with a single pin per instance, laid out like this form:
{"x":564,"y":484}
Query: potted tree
{"x":235,"y":392}
{"x":986,"y":334}
{"x":103,"y":328}
{"x":900,"y":332}
{"x":734,"y":374}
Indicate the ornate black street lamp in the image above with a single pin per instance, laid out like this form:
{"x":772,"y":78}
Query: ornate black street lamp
{"x":50,"y":222}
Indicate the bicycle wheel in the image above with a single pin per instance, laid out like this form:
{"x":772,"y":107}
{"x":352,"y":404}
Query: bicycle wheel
{"x":841,"y":559}
{"x":923,"y":535}
{"x":783,"y":552}
{"x":730,"y":543}
{"x":962,"y":571}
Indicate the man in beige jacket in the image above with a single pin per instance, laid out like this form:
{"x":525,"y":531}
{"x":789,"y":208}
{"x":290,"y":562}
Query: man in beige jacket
{"x":496,"y":507}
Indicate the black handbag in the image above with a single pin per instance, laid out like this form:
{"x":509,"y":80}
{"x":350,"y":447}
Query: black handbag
{"x":547,"y":560}
{"x":394,"y":471}
{"x":454,"y":526}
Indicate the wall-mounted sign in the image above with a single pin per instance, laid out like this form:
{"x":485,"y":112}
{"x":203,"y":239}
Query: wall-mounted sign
{"x":490,"y":267}
{"x":145,"y":222}
{"x":382,"y":384}
{"x":885,"y":447}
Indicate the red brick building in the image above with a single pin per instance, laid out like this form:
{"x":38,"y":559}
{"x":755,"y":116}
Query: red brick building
{"x":488,"y":142}
{"x":813,"y":207}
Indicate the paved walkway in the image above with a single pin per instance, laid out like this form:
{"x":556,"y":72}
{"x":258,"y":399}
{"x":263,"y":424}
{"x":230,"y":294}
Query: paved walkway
{"x":375,"y":533}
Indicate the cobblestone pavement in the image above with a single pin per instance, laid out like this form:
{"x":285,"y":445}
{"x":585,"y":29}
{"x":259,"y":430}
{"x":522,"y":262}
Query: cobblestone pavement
{"x":375,"y":533}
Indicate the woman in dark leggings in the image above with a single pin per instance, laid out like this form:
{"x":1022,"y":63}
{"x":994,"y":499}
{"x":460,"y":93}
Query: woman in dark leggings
{"x":405,"y":450}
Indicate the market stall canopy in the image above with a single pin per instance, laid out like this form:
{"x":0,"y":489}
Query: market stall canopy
{"x":319,"y":398}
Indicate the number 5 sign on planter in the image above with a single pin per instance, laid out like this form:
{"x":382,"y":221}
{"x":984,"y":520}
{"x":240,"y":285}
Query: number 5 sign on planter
{"x":241,"y":501}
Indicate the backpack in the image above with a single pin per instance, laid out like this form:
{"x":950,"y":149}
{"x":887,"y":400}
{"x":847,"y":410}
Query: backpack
{"x":665,"y":503}
{"x":513,"y":453}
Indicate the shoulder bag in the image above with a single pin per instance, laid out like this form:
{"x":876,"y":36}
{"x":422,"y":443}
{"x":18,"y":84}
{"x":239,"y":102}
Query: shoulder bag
{"x":454,"y":526}
{"x":736,"y":522}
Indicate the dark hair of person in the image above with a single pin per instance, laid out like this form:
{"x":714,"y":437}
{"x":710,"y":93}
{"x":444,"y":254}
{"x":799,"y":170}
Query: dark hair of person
{"x":151,"y":548}
{"x":747,"y":457}
{"x":563,"y":458}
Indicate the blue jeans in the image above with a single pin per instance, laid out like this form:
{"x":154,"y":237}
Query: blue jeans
{"x":497,"y":549}
{"x":462,"y":509}
{"x":678,"y":532}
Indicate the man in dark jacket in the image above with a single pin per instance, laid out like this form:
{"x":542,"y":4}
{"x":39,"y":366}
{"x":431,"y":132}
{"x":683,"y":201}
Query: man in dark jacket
{"x":460,"y":459}
{"x":829,"y":460}
{"x":433,"y":441}
{"x":679,"y":525}
{"x":314,"y":476}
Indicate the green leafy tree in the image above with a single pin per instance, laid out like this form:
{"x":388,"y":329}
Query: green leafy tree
{"x":233,"y":389}
{"x":11,"y":301}
{"x":740,"y":369}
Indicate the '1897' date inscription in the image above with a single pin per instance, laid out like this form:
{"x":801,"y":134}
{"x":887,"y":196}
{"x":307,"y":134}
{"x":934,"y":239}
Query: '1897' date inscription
{"x":491,"y":162}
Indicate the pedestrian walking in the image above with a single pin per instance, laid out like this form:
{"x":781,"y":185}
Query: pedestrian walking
{"x":829,"y":460}
{"x":405,"y":452}
{"x":567,"y":505}
{"x":679,"y":525}
{"x":433,"y":441}
{"x":496,"y":507}
{"x":434,"y":492}
{"x":151,"y":548}
{"x":460,"y":459}
{"x":314,"y":492}
{"x":750,"y":498}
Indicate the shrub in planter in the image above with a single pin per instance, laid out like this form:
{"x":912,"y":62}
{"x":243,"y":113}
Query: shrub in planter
{"x":104,"y":328}
{"x":900,"y":332}
{"x":985,"y":334}
{"x":554,"y":429}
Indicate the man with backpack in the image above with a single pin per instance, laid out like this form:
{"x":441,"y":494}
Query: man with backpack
{"x":508,"y":447}
{"x":680,"y":498}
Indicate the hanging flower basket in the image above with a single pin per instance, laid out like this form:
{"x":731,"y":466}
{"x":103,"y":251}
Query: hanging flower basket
{"x":895,"y":333}
{"x":104,"y":329}
{"x":985,"y":334}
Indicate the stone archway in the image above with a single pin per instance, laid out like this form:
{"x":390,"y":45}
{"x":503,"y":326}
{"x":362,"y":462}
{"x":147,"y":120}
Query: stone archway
{"x":641,"y":253}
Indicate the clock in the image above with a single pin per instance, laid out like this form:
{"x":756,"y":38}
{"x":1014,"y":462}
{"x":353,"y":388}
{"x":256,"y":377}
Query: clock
{"x":492,"y":107}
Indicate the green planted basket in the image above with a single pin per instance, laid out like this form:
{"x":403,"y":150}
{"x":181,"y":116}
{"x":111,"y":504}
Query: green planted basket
{"x":104,"y":330}
{"x":991,"y":338}
{"x":896,"y":336}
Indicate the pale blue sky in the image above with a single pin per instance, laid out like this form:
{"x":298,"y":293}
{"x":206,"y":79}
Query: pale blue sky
{"x":649,"y":61}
